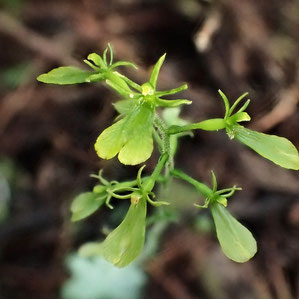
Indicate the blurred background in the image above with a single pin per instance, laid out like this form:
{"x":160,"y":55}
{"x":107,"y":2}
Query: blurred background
{"x":47,"y":134}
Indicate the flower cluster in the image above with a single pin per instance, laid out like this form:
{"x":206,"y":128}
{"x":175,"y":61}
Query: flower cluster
{"x":140,"y":122}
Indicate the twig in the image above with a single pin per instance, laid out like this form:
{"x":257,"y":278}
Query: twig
{"x":34,"y":41}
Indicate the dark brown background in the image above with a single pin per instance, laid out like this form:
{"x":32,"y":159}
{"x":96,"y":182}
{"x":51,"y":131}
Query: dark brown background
{"x":47,"y":135}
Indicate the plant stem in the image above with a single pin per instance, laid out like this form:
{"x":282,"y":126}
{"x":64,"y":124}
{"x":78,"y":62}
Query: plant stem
{"x":158,"y":140}
{"x":150,"y":182}
{"x":162,"y":128}
{"x":201,"y":187}
{"x":214,"y":124}
{"x":161,"y":163}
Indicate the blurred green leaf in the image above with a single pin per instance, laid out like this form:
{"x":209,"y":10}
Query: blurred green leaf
{"x":204,"y":224}
{"x":86,"y":204}
{"x":13,"y":6}
{"x":4,"y":198}
{"x":124,"y":106}
{"x":13,"y":76}
{"x":90,"y":249}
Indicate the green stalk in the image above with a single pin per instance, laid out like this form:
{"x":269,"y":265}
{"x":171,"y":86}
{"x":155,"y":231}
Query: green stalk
{"x":214,"y":124}
{"x":150,"y":182}
{"x":201,"y":187}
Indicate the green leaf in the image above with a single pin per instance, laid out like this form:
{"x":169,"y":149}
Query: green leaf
{"x":131,"y":136}
{"x":85,"y":204}
{"x":172,"y":103}
{"x":124,"y":244}
{"x":65,"y":75}
{"x":236,"y":240}
{"x":277,"y":149}
{"x":156,"y":70}
{"x":124,"y":106}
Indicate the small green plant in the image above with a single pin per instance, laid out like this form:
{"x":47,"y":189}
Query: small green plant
{"x":145,"y":116}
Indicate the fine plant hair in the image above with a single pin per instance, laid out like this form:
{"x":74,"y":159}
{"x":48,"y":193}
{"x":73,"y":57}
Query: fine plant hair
{"x":146,"y":118}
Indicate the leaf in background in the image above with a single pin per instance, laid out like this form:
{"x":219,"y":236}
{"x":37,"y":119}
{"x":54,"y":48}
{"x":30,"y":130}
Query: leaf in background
{"x":90,"y":249}
{"x":131,"y":137}
{"x":124,"y":244}
{"x":124,"y":106}
{"x":277,"y":149}
{"x":15,"y":75}
{"x":65,"y":75}
{"x":85,"y":204}
{"x":97,"y":279}
{"x":236,"y":240}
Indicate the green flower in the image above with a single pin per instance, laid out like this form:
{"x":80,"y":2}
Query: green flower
{"x":131,"y":138}
{"x":277,"y":149}
{"x":236,"y":241}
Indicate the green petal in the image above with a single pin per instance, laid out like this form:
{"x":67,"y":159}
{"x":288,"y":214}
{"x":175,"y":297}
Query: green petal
{"x":125,"y":243}
{"x":239,"y":117}
{"x":124,"y":63}
{"x":236,"y":240}
{"x":277,"y":149}
{"x":172,"y":103}
{"x":131,"y":137}
{"x":85,"y":204}
{"x":65,"y":75}
{"x":97,"y":60}
{"x":156,"y":70}
{"x":111,"y":140}
{"x":171,"y":91}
